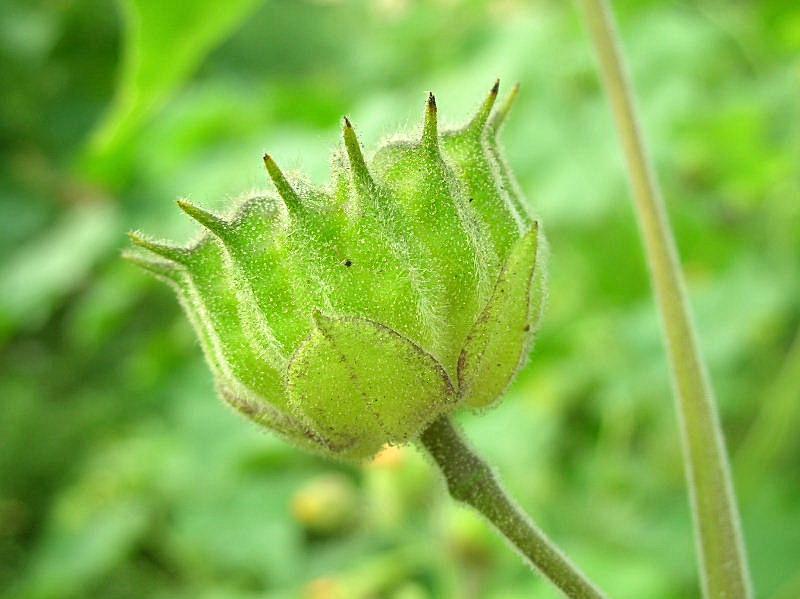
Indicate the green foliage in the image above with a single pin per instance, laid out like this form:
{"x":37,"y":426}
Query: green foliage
{"x":164,"y":45}
{"x":107,"y":407}
{"x":38,"y":276}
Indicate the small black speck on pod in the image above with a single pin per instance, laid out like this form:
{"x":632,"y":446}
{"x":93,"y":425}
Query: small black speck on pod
{"x":348,"y":263}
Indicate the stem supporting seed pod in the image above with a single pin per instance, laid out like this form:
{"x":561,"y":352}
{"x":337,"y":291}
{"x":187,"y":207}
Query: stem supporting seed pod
{"x":365,"y":314}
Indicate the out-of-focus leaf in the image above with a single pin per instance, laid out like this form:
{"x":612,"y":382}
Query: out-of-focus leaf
{"x":164,"y":45}
{"x":39,"y":274}
{"x":70,"y":559}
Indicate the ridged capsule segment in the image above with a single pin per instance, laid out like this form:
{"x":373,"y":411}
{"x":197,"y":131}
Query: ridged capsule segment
{"x":505,"y":176}
{"x":352,"y":316}
{"x":469,"y":151}
{"x":441,"y":234}
{"x":243,"y":375}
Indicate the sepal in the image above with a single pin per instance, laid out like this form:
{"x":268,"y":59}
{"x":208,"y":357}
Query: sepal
{"x":361,"y":385}
{"x":499,"y":342}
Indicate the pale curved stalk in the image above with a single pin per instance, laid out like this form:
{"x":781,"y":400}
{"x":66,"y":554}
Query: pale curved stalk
{"x":470,"y":480}
{"x":723,"y":564}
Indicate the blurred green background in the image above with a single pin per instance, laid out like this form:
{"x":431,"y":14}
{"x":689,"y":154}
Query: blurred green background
{"x":121,"y":474}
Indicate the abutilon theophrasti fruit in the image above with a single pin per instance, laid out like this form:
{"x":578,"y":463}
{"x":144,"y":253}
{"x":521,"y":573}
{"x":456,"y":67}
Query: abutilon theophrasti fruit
{"x":349,"y":317}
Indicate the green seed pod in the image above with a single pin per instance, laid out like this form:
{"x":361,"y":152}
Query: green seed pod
{"x":350,"y":317}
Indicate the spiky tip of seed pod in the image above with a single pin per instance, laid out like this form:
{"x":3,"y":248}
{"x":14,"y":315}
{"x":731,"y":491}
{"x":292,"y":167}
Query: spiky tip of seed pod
{"x":477,"y":126}
{"x":358,"y":165}
{"x":350,"y":317}
{"x":210,"y":221}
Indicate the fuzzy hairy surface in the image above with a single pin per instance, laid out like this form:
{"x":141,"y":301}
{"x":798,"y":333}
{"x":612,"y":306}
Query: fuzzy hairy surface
{"x":352,"y":316}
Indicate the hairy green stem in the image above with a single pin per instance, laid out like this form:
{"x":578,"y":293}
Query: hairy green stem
{"x":470,"y":480}
{"x":722,"y":558}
